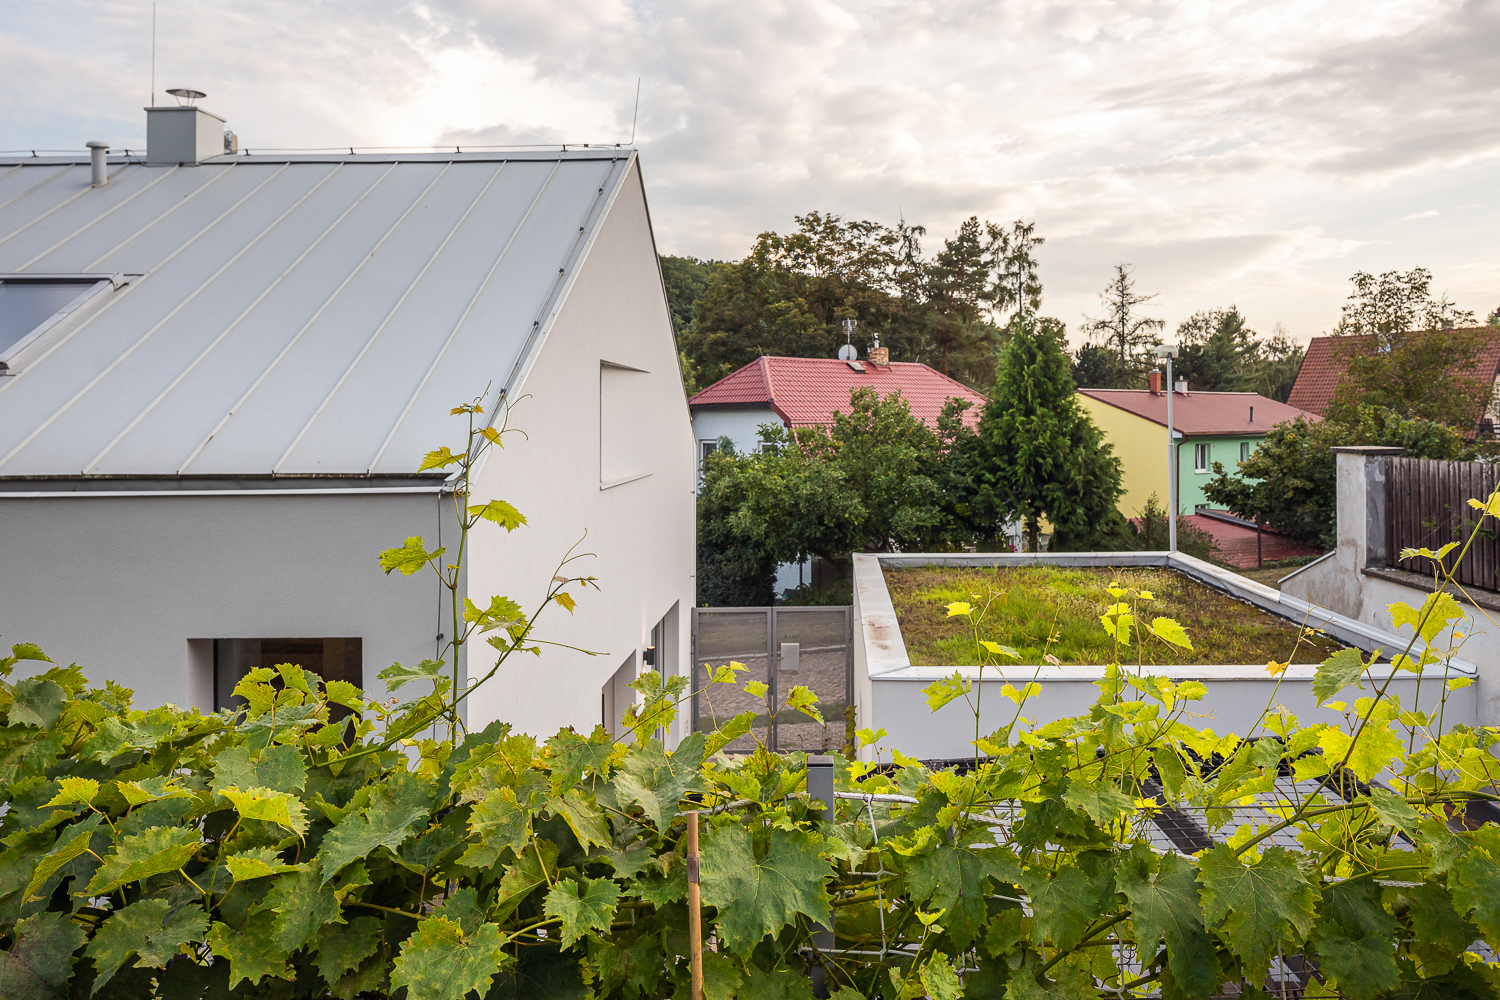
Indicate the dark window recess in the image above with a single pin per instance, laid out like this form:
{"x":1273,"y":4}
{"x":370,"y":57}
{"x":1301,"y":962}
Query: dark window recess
{"x":334,"y":659}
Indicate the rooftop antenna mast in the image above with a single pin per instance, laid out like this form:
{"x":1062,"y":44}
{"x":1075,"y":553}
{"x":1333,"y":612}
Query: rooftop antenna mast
{"x":848,"y":351}
{"x":153,"y":55}
{"x":636,"y":114}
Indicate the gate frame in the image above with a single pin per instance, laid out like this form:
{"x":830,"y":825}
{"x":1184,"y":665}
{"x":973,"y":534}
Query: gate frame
{"x":773,"y":655}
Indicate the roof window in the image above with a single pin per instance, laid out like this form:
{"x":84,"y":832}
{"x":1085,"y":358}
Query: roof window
{"x":32,"y":304}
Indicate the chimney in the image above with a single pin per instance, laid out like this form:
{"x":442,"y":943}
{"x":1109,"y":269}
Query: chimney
{"x":98,"y":163}
{"x":1252,"y":414}
{"x":1182,"y":386}
{"x":1153,"y":379}
{"x":183,"y":133}
{"x":881,"y":356}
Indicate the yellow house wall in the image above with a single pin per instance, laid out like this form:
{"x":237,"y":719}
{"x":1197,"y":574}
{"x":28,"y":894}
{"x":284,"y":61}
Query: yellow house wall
{"x":1141,"y":447}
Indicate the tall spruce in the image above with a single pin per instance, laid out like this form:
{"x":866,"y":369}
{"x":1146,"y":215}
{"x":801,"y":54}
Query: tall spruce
{"x":1040,"y":453}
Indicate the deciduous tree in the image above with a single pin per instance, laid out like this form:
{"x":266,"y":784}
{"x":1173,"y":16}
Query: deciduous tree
{"x":1129,"y":334}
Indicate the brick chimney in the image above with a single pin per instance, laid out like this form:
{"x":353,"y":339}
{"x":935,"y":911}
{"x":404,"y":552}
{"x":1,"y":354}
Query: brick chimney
{"x":1154,"y":381}
{"x":880,"y":356}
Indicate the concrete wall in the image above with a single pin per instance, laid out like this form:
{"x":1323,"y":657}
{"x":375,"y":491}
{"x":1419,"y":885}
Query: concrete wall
{"x":1345,"y":580}
{"x":128,"y":586}
{"x":889,"y":689}
{"x":640,"y":534}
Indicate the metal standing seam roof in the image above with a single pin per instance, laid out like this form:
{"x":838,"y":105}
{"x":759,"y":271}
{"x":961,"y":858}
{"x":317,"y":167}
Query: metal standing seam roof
{"x":297,"y":315}
{"x":808,"y":391}
{"x":1204,"y":413}
{"x":1325,"y":362}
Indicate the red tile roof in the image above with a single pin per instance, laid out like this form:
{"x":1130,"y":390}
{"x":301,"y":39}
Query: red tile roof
{"x":1199,"y":413}
{"x":1326,"y":360}
{"x":1235,"y":543}
{"x":808,"y":391}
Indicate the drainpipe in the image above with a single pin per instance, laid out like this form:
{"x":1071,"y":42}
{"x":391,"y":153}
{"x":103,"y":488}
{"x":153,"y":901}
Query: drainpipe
{"x":97,"y":161}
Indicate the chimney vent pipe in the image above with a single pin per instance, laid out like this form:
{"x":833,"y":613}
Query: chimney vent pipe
{"x":98,"y":163}
{"x":1182,"y":386}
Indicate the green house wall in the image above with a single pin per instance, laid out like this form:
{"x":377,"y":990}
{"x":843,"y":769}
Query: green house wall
{"x":1221,"y":449}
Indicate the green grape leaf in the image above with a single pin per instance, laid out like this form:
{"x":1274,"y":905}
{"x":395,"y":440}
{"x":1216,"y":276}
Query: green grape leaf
{"x":1378,"y":748}
{"x":1163,"y":896}
{"x":409,"y":558}
{"x":1336,"y":673}
{"x":440,"y":962}
{"x":583,"y":817}
{"x":1353,"y":941}
{"x":948,"y":874}
{"x":525,"y":877}
{"x":721,"y":977}
{"x":657,"y":781}
{"x":138,"y":793}
{"x":498,"y":821}
{"x":1258,"y":906}
{"x":1439,"y":934}
{"x":573,"y":756}
{"x":343,"y":947}
{"x":396,"y":813}
{"x":1168,"y":630}
{"x":74,"y":792}
{"x":36,"y":702}
{"x":730,"y":731}
{"x":945,"y":689}
{"x":302,"y":904}
{"x":939,"y":979}
{"x":279,"y":768}
{"x":1474,"y":882}
{"x":138,"y":856}
{"x":1063,"y":906}
{"x":1393,"y":810}
{"x":803,"y":699}
{"x":396,"y":676}
{"x":1436,"y":613}
{"x":269,"y":807}
{"x":1102,"y":802}
{"x":780,"y":984}
{"x":760,"y":891}
{"x":500,"y":513}
{"x":257,"y":862}
{"x":72,"y":843}
{"x":251,"y":949}
{"x":582,"y":906}
{"x":147,"y":928}
{"x":40,"y":962}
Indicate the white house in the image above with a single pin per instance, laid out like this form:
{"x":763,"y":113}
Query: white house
{"x":220,"y":370}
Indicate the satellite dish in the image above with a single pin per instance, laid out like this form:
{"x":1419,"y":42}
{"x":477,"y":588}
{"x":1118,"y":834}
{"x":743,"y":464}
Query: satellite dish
{"x":848,"y":353}
{"x":186,"y":94}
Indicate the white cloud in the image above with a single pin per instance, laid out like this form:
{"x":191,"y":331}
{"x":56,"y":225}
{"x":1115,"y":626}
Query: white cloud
{"x":1237,"y":151}
{"x":1430,"y":213}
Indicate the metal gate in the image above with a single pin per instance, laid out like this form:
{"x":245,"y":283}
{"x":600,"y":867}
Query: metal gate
{"x":754,"y":637}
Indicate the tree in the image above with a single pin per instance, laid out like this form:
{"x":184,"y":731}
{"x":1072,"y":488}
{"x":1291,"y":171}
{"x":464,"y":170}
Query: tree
{"x":1016,"y":285}
{"x":1273,"y":370}
{"x":1215,"y":351}
{"x":1131,"y":335}
{"x":1094,"y":367}
{"x":685,"y":280}
{"x":1039,"y":453}
{"x":1289,"y":481}
{"x":1410,"y":357}
{"x":956,"y":286}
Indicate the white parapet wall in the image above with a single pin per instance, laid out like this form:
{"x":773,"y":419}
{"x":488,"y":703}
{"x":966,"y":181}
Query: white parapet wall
{"x":888,"y":689}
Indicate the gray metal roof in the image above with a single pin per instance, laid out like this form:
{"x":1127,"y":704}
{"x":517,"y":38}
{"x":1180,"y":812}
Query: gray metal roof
{"x":297,"y":315}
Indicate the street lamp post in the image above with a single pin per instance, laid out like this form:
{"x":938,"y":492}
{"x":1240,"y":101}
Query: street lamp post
{"x":1169,"y":351}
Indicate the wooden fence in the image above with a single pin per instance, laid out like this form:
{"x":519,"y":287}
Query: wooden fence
{"x":1427,"y":505}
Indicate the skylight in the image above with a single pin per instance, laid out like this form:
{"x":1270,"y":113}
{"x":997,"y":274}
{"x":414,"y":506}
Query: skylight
{"x":29,"y":305}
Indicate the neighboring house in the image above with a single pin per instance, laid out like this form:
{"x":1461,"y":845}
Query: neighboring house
{"x":1326,"y":360}
{"x":221,"y":371}
{"x":1208,"y":427}
{"x":804,"y":392}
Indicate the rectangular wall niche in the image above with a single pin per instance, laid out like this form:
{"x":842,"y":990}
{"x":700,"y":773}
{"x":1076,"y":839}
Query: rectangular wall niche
{"x":333,"y":659}
{"x":624,"y":440}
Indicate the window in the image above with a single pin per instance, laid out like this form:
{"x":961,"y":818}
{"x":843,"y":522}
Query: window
{"x":29,"y":306}
{"x":1200,"y":458}
{"x":331,"y":659}
{"x":1244,"y":451}
{"x":705,"y":449}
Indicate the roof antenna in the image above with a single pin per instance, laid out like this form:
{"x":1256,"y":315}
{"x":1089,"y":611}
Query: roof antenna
{"x":848,"y":352}
{"x":153,"y":55}
{"x":636,"y":114}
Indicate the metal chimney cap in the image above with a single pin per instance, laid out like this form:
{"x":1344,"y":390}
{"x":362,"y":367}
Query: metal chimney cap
{"x":186,"y":94}
{"x":96,"y":144}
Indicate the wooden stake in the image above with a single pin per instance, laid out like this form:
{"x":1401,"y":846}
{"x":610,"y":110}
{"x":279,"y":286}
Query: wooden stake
{"x":695,"y":918}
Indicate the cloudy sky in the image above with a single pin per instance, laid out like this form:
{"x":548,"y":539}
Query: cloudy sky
{"x":1255,"y":153}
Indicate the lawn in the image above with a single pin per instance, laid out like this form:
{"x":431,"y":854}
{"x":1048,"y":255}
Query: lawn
{"x":1029,"y":602}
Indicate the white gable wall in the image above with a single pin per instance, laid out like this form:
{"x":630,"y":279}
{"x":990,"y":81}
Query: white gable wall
{"x":609,"y":452}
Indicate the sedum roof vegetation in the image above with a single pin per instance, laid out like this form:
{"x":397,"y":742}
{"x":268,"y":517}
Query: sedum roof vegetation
{"x":1065,"y":602}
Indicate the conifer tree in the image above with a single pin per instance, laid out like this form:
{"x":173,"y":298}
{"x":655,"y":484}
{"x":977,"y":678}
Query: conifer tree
{"x":1040,"y":455}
